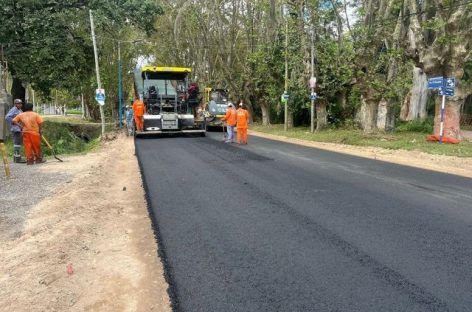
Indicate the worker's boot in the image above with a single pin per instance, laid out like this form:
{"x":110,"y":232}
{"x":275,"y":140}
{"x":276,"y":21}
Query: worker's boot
{"x":40,"y":160}
{"x":17,"y":156}
{"x":30,"y":162}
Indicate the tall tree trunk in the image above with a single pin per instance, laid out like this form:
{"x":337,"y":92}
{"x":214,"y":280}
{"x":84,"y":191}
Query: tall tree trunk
{"x":265,"y":108}
{"x":290,"y":119}
{"x":452,"y":113}
{"x":321,"y":115}
{"x":368,"y":114}
{"x":385,"y":115}
{"x":451,"y":118}
{"x":17,"y":89}
{"x":414,"y":104}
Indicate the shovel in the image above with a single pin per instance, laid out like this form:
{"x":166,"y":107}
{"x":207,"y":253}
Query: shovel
{"x":50,"y":147}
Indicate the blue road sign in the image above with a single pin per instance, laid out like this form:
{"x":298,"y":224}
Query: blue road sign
{"x":435,"y":83}
{"x":446,"y":91}
{"x":450,"y":82}
{"x":313,"y":97}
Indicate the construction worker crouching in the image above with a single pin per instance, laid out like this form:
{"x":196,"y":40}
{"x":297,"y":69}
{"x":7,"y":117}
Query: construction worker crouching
{"x":242,"y":119}
{"x":138,"y":112}
{"x":30,"y":123}
{"x":15,"y":130}
{"x":230,"y":119}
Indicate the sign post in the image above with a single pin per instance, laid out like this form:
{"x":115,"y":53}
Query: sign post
{"x":312,"y":84}
{"x":97,"y":71}
{"x":441,"y":125}
{"x":446,"y":88}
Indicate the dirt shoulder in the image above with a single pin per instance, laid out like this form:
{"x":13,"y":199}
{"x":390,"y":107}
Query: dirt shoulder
{"x":97,"y":223}
{"x":447,"y":164}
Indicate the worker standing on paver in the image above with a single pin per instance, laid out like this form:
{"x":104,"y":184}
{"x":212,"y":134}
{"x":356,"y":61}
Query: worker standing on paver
{"x":15,"y":130}
{"x":230,"y":119}
{"x":138,"y":112}
{"x":242,"y":118}
{"x":30,"y":123}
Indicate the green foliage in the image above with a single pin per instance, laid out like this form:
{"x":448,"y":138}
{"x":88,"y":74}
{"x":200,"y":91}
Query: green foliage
{"x":65,"y":138}
{"x":48,"y":44}
{"x":433,"y":24}
{"x":423,"y":126}
{"x":266,"y":73}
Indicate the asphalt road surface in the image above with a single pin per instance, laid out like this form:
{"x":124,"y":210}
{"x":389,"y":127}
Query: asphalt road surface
{"x":278,"y":227}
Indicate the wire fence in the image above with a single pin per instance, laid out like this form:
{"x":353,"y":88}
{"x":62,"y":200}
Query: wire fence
{"x":51,"y":109}
{"x":466,"y":121}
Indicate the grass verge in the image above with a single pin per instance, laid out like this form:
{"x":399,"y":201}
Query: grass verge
{"x":68,"y":135}
{"x":398,"y":140}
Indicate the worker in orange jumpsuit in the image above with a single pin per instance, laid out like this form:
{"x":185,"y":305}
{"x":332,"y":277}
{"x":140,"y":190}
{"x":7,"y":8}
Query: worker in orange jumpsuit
{"x":138,"y":112}
{"x":242,"y":119}
{"x":30,"y":123}
{"x":230,"y":119}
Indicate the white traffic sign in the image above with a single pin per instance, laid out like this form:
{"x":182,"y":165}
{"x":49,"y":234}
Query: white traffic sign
{"x":450,"y":83}
{"x":100,"y":96}
{"x":312,"y":82}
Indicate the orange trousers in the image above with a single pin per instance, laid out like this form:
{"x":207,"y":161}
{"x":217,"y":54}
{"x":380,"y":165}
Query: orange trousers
{"x":32,"y":144}
{"x":242,"y":133}
{"x":138,"y":120}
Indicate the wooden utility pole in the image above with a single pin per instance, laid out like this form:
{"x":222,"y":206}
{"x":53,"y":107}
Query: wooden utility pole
{"x":97,"y":69}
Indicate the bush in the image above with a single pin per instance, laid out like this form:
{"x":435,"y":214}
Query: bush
{"x":62,"y":139}
{"x":424,"y":126}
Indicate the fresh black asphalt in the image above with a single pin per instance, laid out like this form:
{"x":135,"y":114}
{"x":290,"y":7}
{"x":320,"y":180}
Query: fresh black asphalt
{"x":278,"y":227}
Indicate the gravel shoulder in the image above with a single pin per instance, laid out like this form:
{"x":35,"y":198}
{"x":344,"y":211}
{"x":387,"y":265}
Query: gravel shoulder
{"x":88,"y":213}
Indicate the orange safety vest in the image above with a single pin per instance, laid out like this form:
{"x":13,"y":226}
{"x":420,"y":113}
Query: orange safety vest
{"x":230,"y":117}
{"x":242,"y":117}
{"x":30,"y":122}
{"x":138,"y":108}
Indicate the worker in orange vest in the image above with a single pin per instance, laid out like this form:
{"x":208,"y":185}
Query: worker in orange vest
{"x":138,"y":112}
{"x":30,"y":123}
{"x":230,"y":119}
{"x":242,"y":119}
